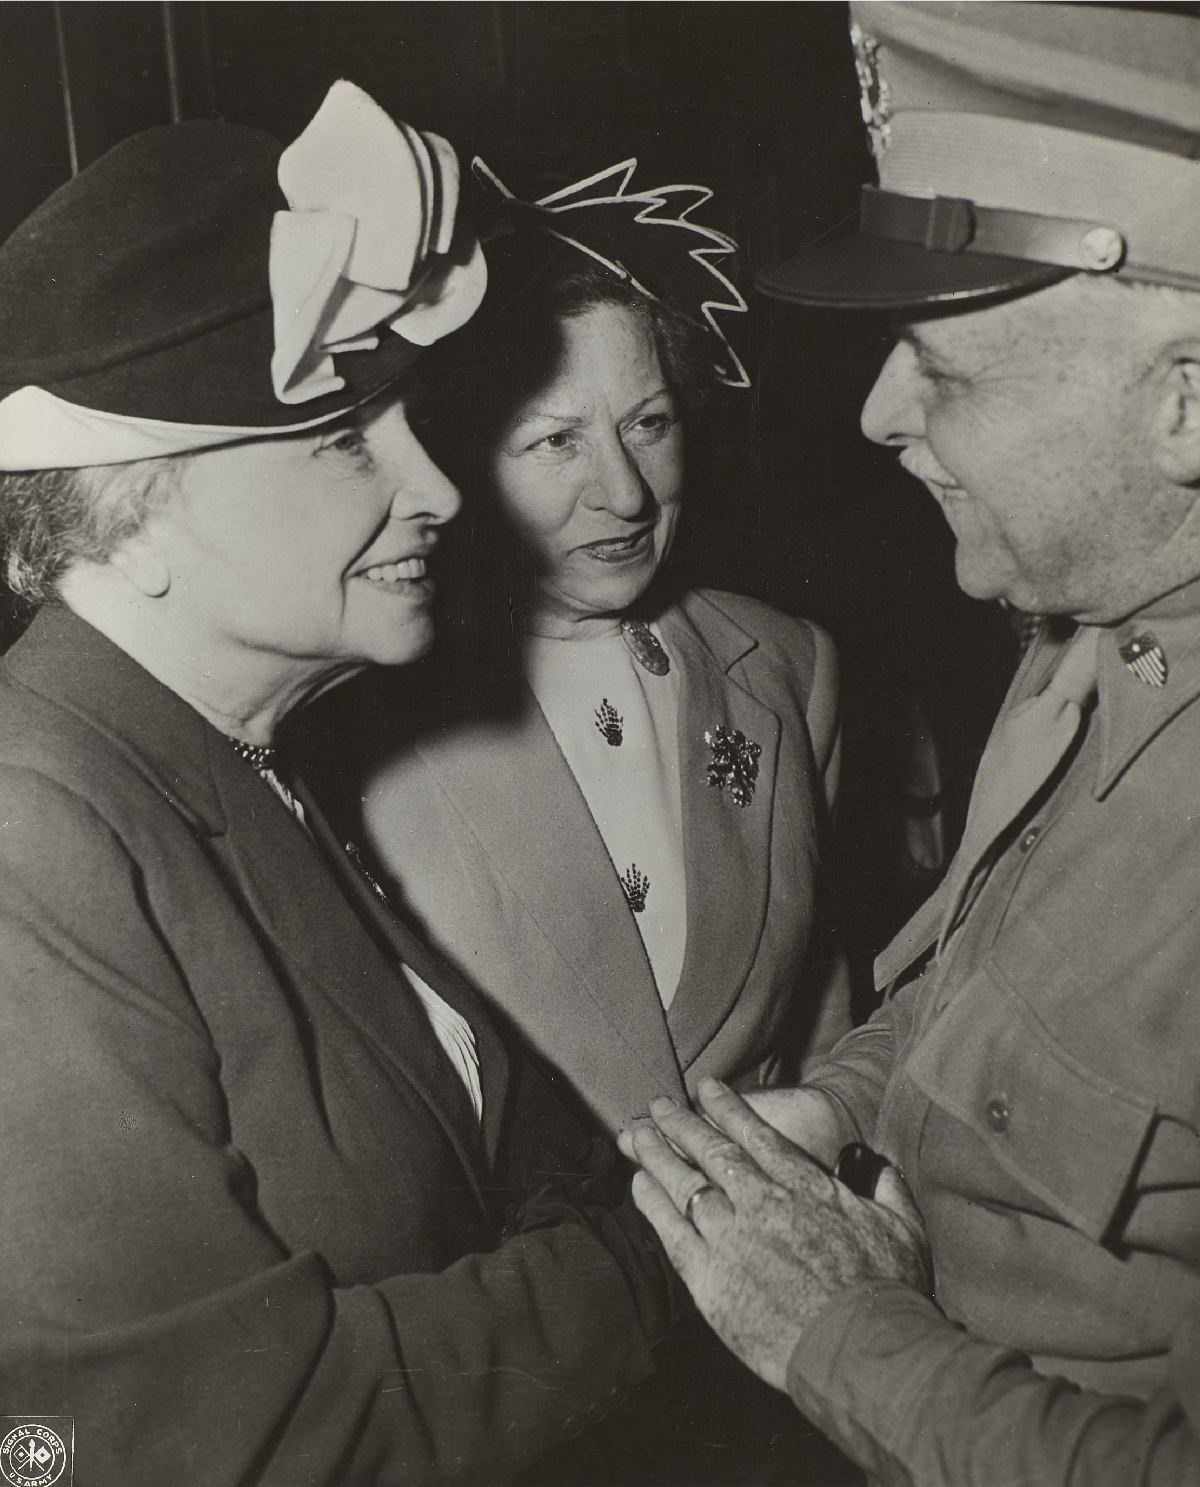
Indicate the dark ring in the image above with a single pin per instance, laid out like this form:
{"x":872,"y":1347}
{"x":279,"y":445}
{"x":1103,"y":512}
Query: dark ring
{"x":860,"y":1168}
{"x":705,"y":1187}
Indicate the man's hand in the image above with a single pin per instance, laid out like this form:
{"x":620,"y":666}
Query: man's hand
{"x":772,"y":1235}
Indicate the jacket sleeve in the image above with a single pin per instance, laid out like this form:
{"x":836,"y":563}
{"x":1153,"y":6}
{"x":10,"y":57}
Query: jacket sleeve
{"x":916,"y":1400}
{"x":142,"y":1293}
{"x":855,"y":1073}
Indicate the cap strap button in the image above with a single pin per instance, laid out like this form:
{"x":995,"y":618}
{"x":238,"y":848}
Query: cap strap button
{"x":1101,"y":249}
{"x":950,"y":225}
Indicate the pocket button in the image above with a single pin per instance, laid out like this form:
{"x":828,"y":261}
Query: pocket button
{"x":998,"y":1113}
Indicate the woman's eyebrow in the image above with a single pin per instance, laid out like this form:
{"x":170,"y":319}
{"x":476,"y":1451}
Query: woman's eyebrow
{"x":548,"y":415}
{"x":660,"y":392}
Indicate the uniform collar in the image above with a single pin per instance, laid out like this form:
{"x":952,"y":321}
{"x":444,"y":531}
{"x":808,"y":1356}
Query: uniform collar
{"x":65,"y":659}
{"x":1130,"y":712}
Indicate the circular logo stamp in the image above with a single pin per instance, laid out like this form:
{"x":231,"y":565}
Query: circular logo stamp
{"x":32,"y":1456}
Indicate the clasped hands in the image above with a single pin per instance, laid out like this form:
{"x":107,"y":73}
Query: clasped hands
{"x":761,"y":1233}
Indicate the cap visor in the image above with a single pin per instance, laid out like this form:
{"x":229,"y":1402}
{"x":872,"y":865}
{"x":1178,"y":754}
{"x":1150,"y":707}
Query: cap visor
{"x":858,"y":272}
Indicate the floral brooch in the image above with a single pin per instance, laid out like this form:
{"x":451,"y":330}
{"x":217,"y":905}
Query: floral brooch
{"x":734,"y":765}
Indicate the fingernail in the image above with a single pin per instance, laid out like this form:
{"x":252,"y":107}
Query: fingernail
{"x":711,"y":1085}
{"x":662,"y":1104}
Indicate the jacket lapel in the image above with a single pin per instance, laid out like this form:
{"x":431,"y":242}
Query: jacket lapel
{"x":921,"y":932}
{"x":285,"y":877}
{"x":274,"y":864}
{"x":400,"y":941}
{"x":726,"y":846}
{"x":539,"y":835}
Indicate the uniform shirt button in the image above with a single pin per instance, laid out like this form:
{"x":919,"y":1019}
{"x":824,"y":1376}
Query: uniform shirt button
{"x":998,"y":1112}
{"x":1029,"y":837}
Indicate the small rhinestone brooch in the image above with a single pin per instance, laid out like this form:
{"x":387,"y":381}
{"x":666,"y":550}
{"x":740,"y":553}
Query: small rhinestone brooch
{"x":645,"y":647}
{"x":609,"y":721}
{"x":636,"y":886}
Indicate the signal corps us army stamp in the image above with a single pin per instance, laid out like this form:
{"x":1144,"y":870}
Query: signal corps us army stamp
{"x":37,"y":1450}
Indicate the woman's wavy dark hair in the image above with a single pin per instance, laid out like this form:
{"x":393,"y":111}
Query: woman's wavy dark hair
{"x":537,"y":284}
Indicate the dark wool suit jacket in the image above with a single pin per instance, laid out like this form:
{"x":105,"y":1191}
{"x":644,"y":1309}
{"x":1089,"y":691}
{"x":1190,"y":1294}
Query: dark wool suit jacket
{"x":486,"y":836}
{"x":246,"y":1235}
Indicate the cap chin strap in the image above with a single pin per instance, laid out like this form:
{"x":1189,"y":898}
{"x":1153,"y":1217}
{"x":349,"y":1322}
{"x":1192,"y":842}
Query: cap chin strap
{"x":952,"y":224}
{"x":1041,"y":194}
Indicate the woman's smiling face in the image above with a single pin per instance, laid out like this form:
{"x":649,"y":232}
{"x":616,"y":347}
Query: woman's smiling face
{"x":589,"y":470}
{"x":311,"y":549}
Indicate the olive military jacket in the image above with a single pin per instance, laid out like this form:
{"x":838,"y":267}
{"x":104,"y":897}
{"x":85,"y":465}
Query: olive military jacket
{"x":1039,"y":1087}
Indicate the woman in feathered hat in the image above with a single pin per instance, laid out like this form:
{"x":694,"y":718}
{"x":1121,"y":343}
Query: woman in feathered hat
{"x":625,"y":853}
{"x":251,"y":1123}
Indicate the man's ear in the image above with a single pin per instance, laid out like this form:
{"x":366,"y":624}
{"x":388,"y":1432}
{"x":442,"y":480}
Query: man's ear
{"x":1175,"y":429}
{"x":141,"y":560}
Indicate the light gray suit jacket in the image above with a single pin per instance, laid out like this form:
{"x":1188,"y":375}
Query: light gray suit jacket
{"x":486,"y":837}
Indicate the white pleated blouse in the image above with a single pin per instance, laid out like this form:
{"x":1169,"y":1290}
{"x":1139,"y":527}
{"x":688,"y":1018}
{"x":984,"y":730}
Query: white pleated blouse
{"x":617,"y":726}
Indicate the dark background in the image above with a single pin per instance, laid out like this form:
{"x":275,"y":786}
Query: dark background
{"x":758,"y":101}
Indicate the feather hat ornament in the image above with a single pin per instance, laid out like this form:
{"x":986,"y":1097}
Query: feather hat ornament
{"x":645,"y":236}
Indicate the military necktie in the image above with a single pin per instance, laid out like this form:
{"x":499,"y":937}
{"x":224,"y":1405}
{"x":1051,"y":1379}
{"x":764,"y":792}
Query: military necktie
{"x":1022,"y":753}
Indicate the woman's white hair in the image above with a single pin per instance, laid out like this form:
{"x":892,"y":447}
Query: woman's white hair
{"x":51,"y":520}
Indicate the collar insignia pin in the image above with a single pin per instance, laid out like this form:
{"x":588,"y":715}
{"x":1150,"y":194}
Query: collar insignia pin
{"x":734,"y":763}
{"x":645,"y":647}
{"x":1145,"y":658}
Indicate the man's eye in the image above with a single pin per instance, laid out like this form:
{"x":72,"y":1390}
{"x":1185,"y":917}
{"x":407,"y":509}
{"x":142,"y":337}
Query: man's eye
{"x":935,"y":372}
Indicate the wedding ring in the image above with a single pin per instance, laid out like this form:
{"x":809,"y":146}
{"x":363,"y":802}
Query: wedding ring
{"x":688,"y":1212}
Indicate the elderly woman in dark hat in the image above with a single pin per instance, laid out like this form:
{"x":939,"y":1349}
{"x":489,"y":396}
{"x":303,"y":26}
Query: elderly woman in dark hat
{"x":251,"y":1124}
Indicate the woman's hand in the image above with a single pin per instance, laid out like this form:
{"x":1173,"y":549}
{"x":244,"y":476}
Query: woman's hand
{"x":761,"y":1234}
{"x":807,"y":1117}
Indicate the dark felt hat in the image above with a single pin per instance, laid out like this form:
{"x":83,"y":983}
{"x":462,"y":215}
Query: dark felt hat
{"x":1016,"y":144}
{"x":141,"y":288}
{"x":200,"y":283}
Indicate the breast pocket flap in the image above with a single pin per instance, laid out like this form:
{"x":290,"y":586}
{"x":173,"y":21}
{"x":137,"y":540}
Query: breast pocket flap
{"x":1073,"y":1138}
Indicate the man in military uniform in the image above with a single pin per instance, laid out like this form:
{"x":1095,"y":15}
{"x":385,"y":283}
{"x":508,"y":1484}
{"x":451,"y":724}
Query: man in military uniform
{"x":1023,"y":1306}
